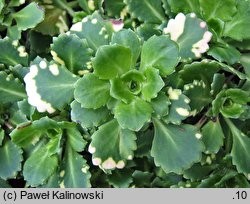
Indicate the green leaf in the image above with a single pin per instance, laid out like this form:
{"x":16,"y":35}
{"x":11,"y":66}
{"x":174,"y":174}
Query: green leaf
{"x":212,"y":136}
{"x":175,"y":81}
{"x":88,"y":117}
{"x":190,"y":33}
{"x":4,"y":184}
{"x":198,"y":172}
{"x":153,"y":83}
{"x":199,"y":95}
{"x":74,"y":171}
{"x":238,"y":95}
{"x":144,"y":143}
{"x":84,"y":5}
{"x":39,"y":167}
{"x":241,"y":45}
{"x":242,"y":181}
{"x":134,"y":115}
{"x":111,"y":104}
{"x":175,"y":148}
{"x":112,"y":60}
{"x":217,"y":84}
{"x":114,"y":8}
{"x":111,"y":146}
{"x":94,"y":29}
{"x":129,"y":39}
{"x":13,"y":33}
{"x":161,"y":105}
{"x":245,"y":61}
{"x":120,"y":90}
{"x":75,"y":139}
{"x":185,"y":6}
{"x":24,"y":135}
{"x":127,"y":86}
{"x":142,"y":178}
{"x":19,"y":71}
{"x":179,"y":108}
{"x":240,"y":150}
{"x":77,"y":54}
{"x":53,"y":181}
{"x":26,"y":108}
{"x":212,"y":179}
{"x":18,"y":118}
{"x":39,"y":43}
{"x":54,"y":23}
{"x":12,"y":55}
{"x":203,"y":70}
{"x":30,"y":132}
{"x":11,"y":89}
{"x":1,"y":136}
{"x":161,"y":53}
{"x":234,"y":111}
{"x":92,"y":92}
{"x":149,"y":11}
{"x":133,"y":75}
{"x":146,"y":31}
{"x":47,"y":84}
{"x":229,"y":175}
{"x":239,"y":27}
{"x":231,"y":103}
{"x":223,"y":9}
{"x":233,"y":71}
{"x":121,"y":178}
{"x":216,"y":26}
{"x":29,"y":16}
{"x":54,"y":144}
{"x":10,"y":160}
{"x":225,"y":53}
{"x":1,"y":5}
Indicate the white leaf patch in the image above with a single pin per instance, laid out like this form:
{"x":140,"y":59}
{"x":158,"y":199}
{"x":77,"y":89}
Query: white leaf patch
{"x":108,"y":164}
{"x":120,"y":165}
{"x":202,"y":46}
{"x":130,"y":157}
{"x":15,"y":43}
{"x":94,"y":21}
{"x":96,"y":161}
{"x":77,"y":27}
{"x":175,"y":27}
{"x":54,"y":69}
{"x":91,"y":5}
{"x":22,"y":52}
{"x":182,"y":111}
{"x":34,"y":98}
{"x":56,"y":58}
{"x":174,"y":93}
{"x":43,"y":64}
{"x":198,"y":135}
{"x":111,"y":164}
{"x":21,"y":1}
{"x":85,"y":169}
{"x":117,"y":25}
{"x":91,"y":149}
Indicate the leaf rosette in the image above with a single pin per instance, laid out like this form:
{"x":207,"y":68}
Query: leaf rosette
{"x":129,"y":92}
{"x":231,"y":103}
{"x":115,"y":78}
